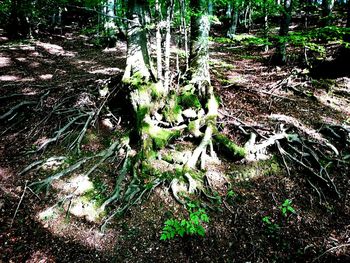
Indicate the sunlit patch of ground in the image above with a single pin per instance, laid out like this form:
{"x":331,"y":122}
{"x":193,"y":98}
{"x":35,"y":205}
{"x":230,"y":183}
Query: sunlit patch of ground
{"x":66,"y":217}
{"x":9,"y":78}
{"x":46,"y":76}
{"x":60,"y":224}
{"x":106,"y":71}
{"x":4,"y":61}
{"x":55,"y":49}
{"x":41,"y":256}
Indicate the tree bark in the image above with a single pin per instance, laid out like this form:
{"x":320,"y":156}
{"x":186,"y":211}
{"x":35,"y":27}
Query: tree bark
{"x":327,"y":6}
{"x":19,"y":25}
{"x":109,"y":25}
{"x":184,"y":27}
{"x":167,"y":44}
{"x":199,"y":55}
{"x":348,"y":17}
{"x":159,"y":41}
{"x":280,"y":56}
{"x":138,"y":59}
{"x":234,"y":20}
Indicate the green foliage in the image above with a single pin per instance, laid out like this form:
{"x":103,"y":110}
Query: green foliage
{"x":243,"y":39}
{"x":271,"y":226}
{"x":286,"y":207}
{"x":136,"y":80}
{"x":230,"y":194}
{"x":191,"y":226}
{"x":316,"y":39}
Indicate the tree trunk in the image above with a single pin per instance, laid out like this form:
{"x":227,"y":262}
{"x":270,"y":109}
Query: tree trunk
{"x":200,"y":78}
{"x":170,"y":10}
{"x":109,"y":25}
{"x":19,"y":25}
{"x":266,"y":24}
{"x":158,"y":42}
{"x":348,"y":17}
{"x":162,"y":115}
{"x":280,"y":56}
{"x":184,"y":27}
{"x":327,"y":6}
{"x":199,"y":55}
{"x":138,"y":59}
{"x":234,"y":20}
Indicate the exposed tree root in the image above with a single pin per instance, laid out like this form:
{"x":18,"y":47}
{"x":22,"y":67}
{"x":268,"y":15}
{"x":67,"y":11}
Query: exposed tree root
{"x":13,"y":110}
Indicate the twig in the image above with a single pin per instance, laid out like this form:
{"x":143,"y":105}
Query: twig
{"x":19,"y":203}
{"x":330,"y":250}
{"x":29,"y":167}
{"x":228,"y":208}
{"x":282,"y":154}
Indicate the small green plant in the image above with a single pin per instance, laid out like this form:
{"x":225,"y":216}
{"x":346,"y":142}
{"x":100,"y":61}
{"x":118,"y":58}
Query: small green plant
{"x":271,"y":226}
{"x":230,"y":193}
{"x":191,"y":226}
{"x":286,"y":207}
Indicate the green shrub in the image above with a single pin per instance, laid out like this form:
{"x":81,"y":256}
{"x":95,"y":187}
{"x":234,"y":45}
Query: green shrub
{"x":191,"y":226}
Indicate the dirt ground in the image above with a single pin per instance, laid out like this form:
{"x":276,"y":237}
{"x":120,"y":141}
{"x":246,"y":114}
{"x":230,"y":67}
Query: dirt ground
{"x":69,"y":65}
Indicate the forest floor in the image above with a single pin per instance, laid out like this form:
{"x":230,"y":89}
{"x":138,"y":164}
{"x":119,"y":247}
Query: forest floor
{"x":64,"y":66}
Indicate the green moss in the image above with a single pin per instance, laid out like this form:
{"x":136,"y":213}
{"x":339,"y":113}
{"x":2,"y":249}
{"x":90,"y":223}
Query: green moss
{"x":270,"y":166}
{"x":140,"y":115}
{"x":190,"y":100}
{"x":98,"y":194}
{"x":229,"y":146}
{"x":172,"y":111}
{"x":160,"y":136}
{"x":193,"y":127}
{"x":136,"y":80}
{"x":195,"y":174}
{"x":157,"y":90}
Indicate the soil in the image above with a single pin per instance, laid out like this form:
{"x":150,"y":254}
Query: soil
{"x":70,"y":65}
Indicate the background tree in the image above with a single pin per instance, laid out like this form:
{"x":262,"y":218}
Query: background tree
{"x":327,"y":6}
{"x":280,"y":56}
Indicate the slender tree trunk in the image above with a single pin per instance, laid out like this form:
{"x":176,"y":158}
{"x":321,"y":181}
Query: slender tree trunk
{"x":280,"y":56}
{"x":138,"y":59}
{"x":327,"y":6}
{"x":266,"y":24}
{"x":109,"y":25}
{"x":200,"y":78}
{"x":234,"y":20}
{"x":308,"y":4}
{"x":159,"y":41}
{"x":184,"y":27}
{"x":348,"y":17}
{"x":229,"y":10}
{"x":199,"y":55}
{"x":19,"y":24}
{"x":210,"y":7}
{"x":170,"y":10}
